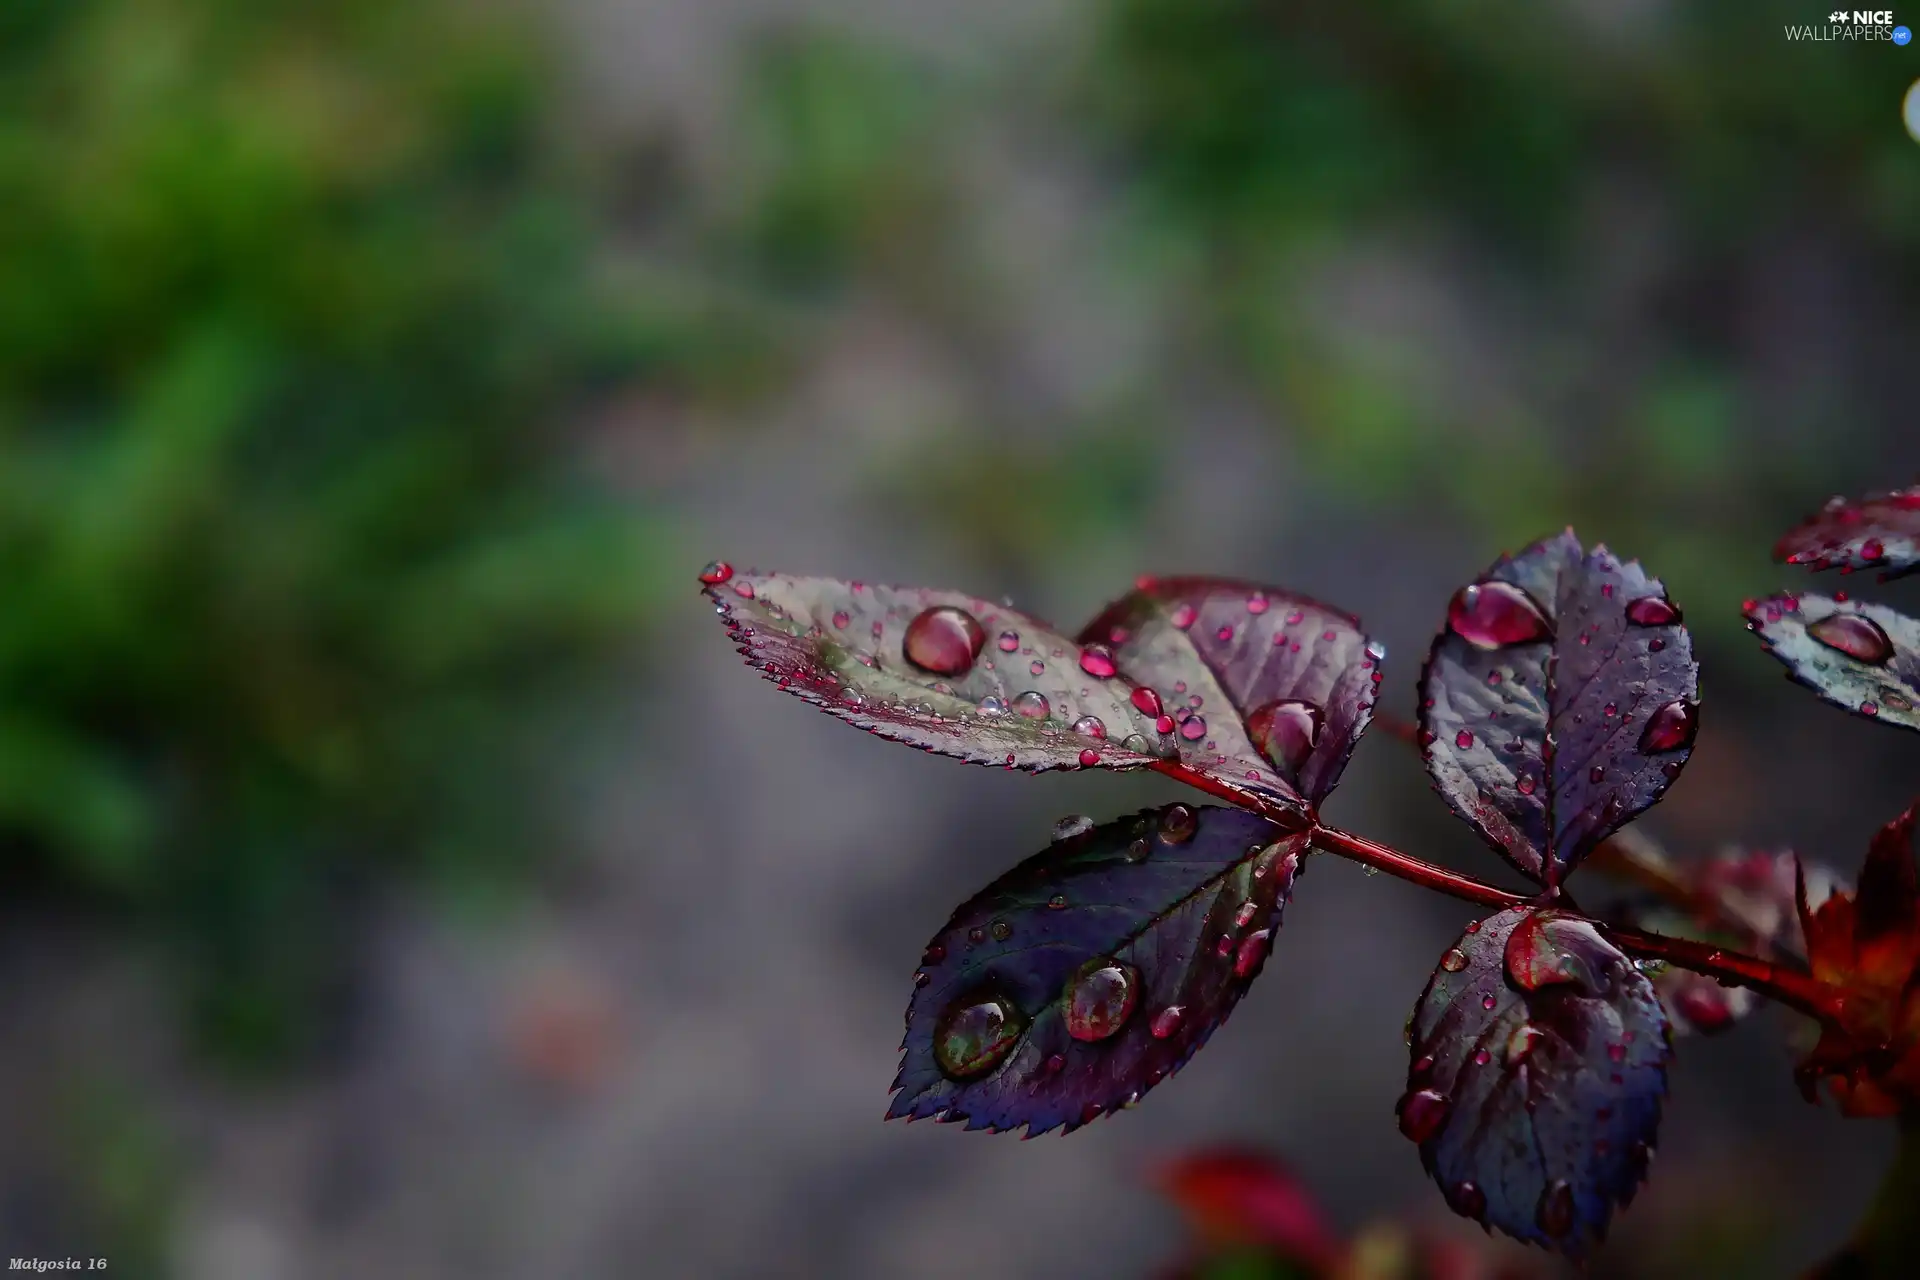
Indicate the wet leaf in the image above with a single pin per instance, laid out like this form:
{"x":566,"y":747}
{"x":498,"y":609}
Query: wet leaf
{"x":1559,"y":702}
{"x":1868,"y":942}
{"x":1093,"y":970}
{"x":1270,"y":690}
{"x":1539,"y":1058}
{"x":942,"y":671}
{"x":1863,"y":658}
{"x":1235,"y":1197}
{"x":1881,"y":531}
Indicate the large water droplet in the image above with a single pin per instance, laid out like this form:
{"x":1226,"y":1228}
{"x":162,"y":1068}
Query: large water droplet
{"x":1167,"y":1021}
{"x":1177,"y":824}
{"x":1095,"y":660}
{"x":992,"y":706}
{"x":1090,"y":727}
{"x":1492,"y":615}
{"x":1032,"y":704}
{"x":1856,"y":636}
{"x":1100,"y":999}
{"x":1193,"y":728}
{"x":1074,"y":824}
{"x":1423,"y":1113}
{"x":1253,"y":950}
{"x":975,"y":1034}
{"x":1285,"y":732}
{"x":1555,"y":1212}
{"x":1671,"y":727}
{"x":1009,"y":641}
{"x":717,"y":572}
{"x":1454,"y":960}
{"x":1468,"y":1200}
{"x":944,"y":640}
{"x":1138,"y":744}
{"x":1146,"y":702}
{"x":1652,"y":611}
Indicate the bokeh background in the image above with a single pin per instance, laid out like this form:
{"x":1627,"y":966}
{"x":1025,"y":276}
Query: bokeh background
{"x":401,"y":876}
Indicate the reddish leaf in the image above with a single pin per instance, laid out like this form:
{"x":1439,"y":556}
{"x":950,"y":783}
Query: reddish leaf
{"x":1093,"y":970}
{"x":1864,"y":658}
{"x":1559,"y":702}
{"x":1233,"y":1197}
{"x":1271,"y":690}
{"x":1539,"y":1063}
{"x":1868,"y":942}
{"x":1880,"y":531}
{"x":940,"y":670}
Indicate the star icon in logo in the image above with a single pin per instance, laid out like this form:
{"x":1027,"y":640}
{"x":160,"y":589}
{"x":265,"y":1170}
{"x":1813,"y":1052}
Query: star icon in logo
{"x":1838,"y":15}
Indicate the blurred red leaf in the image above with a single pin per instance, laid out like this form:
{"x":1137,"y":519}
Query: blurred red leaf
{"x":1232,"y":1196}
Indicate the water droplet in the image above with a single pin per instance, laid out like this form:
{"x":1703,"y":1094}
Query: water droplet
{"x":1095,"y":660}
{"x":944,"y":640}
{"x":975,"y":1034}
{"x":1253,"y":950}
{"x":1009,"y":641}
{"x":1146,"y":702}
{"x":1163,"y":725}
{"x":1492,"y":615}
{"x":1183,"y":616}
{"x":1526,"y":784}
{"x":1555,"y":1212}
{"x":1056,"y":1063}
{"x":840,"y":619}
{"x":1463,"y":740}
{"x":743,"y":589}
{"x":1871,"y":549}
{"x":1058,"y":902}
{"x":934,"y":954}
{"x":1454,"y":960}
{"x":1468,"y":1200}
{"x":1487,"y":1001}
{"x":1140,"y":850}
{"x":1256,"y":603}
{"x":1138,"y":744}
{"x":1001,"y":931}
{"x":1869,"y":709}
{"x":992,"y":706}
{"x":1074,"y":824}
{"x":1177,"y":824}
{"x":1596,"y":774}
{"x":1652,"y":611}
{"x":1100,"y":999}
{"x":1481,"y":1057}
{"x":1856,"y":636}
{"x":1285,"y":732}
{"x":1224,"y":634}
{"x":1036,"y":667}
{"x":1167,"y":1021}
{"x":922,"y":978}
{"x":1671,"y":727}
{"x":1423,"y":1113}
{"x":1656,"y":644}
{"x":1193,"y":728}
{"x":1089,"y":758}
{"x":717,"y":572}
{"x":1090,"y":727}
{"x":1032,"y":704}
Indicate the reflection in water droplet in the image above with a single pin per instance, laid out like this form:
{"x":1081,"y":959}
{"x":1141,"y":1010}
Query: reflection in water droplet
{"x":1089,"y":758}
{"x":1454,"y":960}
{"x":1671,"y":727}
{"x":1652,"y":611}
{"x":1555,"y":1213}
{"x":944,"y":640}
{"x":1074,"y":824}
{"x":1058,"y":902}
{"x":1285,"y":732}
{"x":975,"y":1034}
{"x":1423,"y":1113}
{"x":1492,"y":615}
{"x":1167,"y":1021}
{"x":1100,"y":999}
{"x":1009,"y":641}
{"x":1463,"y":740}
{"x":1526,"y":784}
{"x":1095,"y":660}
{"x":992,"y":706}
{"x":1036,"y":667}
{"x":1002,"y":930}
{"x":1193,"y":728}
{"x":1032,"y":704}
{"x":1253,"y":950}
{"x":1856,"y":636}
{"x":1146,"y":702}
{"x":717,"y":572}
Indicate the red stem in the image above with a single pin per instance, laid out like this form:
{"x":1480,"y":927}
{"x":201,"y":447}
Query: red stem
{"x":1787,"y":985}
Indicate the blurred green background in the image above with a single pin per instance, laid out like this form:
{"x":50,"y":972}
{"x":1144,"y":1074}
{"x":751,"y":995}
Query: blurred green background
{"x":376,"y":812}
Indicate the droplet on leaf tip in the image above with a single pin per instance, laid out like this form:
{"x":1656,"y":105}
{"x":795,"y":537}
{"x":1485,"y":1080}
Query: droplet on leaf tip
{"x":717,"y":572}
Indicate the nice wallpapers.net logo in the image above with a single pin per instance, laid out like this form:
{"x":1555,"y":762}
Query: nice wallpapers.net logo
{"x":1857,"y":25}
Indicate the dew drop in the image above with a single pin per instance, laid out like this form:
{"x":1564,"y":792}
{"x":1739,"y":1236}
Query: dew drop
{"x":1285,"y":732}
{"x":1183,"y":616}
{"x":1423,"y":1113}
{"x":975,"y":1034}
{"x":1177,"y":824}
{"x":743,"y":589}
{"x":1146,"y":702}
{"x":1253,"y":949}
{"x":1652,"y":611}
{"x":1454,"y":960}
{"x":840,"y":619}
{"x":1139,"y":850}
{"x":1032,"y":704}
{"x":1256,"y":603}
{"x":1089,"y":758}
{"x":1100,"y":999}
{"x":717,"y":572}
{"x":1224,"y":634}
{"x":944,"y":640}
{"x":1138,"y":744}
{"x":1009,"y":641}
{"x":1492,"y":615}
{"x":1596,"y":774}
{"x":1526,"y":784}
{"x":1858,"y":637}
{"x":1074,"y":824}
{"x":1163,"y":725}
{"x":1671,"y":727}
{"x":1555,"y":1211}
{"x":1463,"y":739}
{"x":1871,"y":549}
{"x":1468,"y":1200}
{"x":1487,"y":1001}
{"x":1193,"y":728}
{"x":1096,"y":661}
{"x":1001,"y":931}
{"x":1036,"y":667}
{"x":992,"y":706}
{"x":1056,"y":1063}
{"x":1167,"y":1021}
{"x":934,"y":954}
{"x":1090,"y":727}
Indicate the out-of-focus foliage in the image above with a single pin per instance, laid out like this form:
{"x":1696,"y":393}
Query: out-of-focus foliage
{"x":291,"y":308}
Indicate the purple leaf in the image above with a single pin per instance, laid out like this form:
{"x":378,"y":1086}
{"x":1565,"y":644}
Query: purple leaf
{"x":1862,"y":657}
{"x":1539,"y":1061}
{"x":1267,"y":691}
{"x":1560,"y":701}
{"x":1882,"y":530}
{"x":942,"y":671}
{"x":1093,"y":970}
